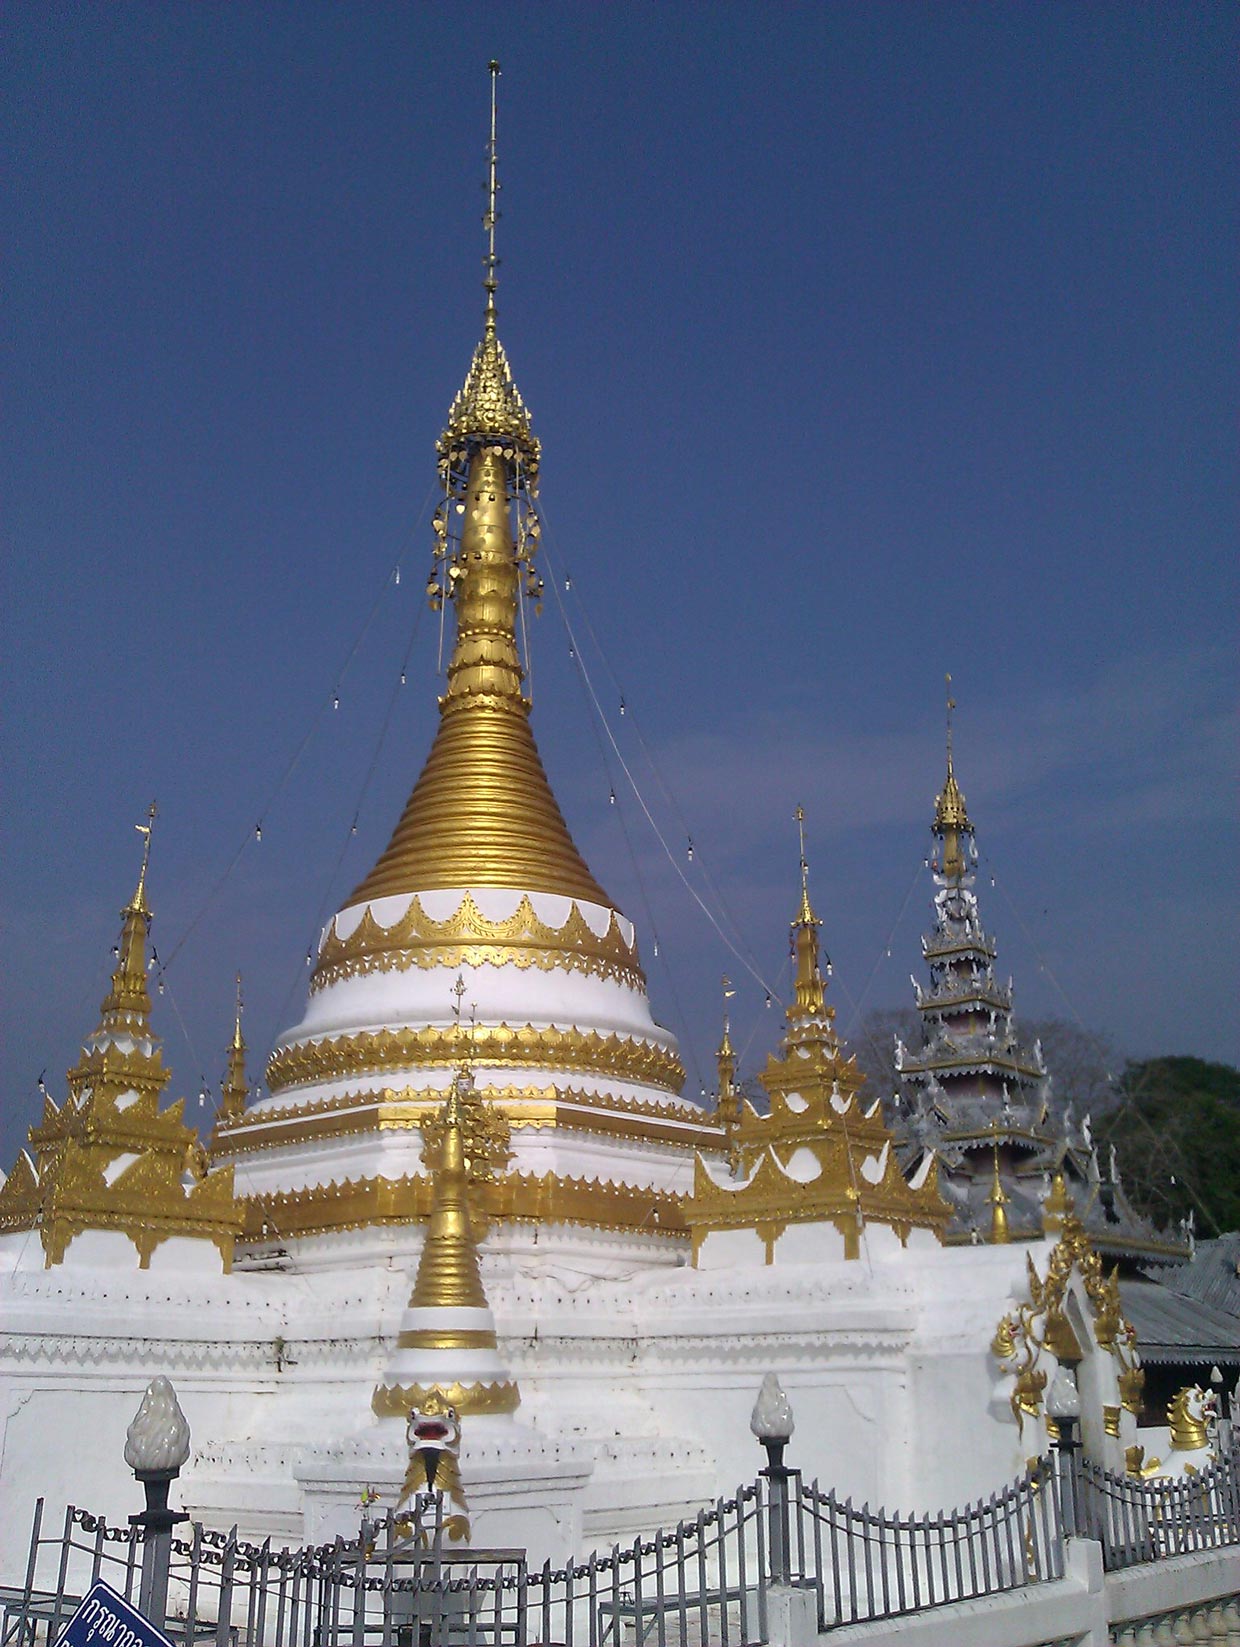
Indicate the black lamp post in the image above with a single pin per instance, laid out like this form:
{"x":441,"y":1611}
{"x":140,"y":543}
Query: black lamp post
{"x":156,"y":1446}
{"x":772,"y":1424}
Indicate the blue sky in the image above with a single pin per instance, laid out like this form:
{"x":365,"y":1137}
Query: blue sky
{"x":865,"y":343}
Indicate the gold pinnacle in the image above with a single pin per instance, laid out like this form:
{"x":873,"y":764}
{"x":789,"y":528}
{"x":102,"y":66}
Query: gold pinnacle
{"x":805,"y":913}
{"x":999,"y":1232}
{"x":145,"y":830}
{"x":951,"y":817}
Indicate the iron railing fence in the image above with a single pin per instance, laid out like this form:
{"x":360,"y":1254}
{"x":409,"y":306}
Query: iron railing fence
{"x":398,"y":1584}
{"x":869,"y":1564}
{"x":1137,"y":1521}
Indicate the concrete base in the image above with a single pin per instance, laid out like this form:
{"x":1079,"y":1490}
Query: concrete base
{"x":521,"y":1491}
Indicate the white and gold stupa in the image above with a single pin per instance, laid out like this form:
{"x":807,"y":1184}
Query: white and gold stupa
{"x":472,"y":1181}
{"x":482,"y":880}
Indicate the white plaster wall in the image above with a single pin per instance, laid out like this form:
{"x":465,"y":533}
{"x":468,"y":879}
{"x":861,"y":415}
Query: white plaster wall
{"x":644,"y":1377}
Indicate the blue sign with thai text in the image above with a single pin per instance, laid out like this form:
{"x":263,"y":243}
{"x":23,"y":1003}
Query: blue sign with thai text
{"x":106,"y":1619}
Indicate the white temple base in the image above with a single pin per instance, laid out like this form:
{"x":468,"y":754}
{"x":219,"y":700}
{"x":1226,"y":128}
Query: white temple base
{"x":636,"y":1390}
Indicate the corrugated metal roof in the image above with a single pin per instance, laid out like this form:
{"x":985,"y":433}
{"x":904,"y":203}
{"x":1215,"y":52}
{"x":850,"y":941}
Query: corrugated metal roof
{"x":1213,"y":1276}
{"x":1171,"y":1327}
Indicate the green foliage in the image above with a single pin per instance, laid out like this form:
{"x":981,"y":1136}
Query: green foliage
{"x":1176,"y":1132}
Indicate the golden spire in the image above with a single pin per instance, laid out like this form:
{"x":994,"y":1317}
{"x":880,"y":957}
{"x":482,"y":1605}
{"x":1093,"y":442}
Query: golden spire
{"x":951,"y":817}
{"x":236,"y":1087}
{"x":726,"y":1058}
{"x":728,"y":1105}
{"x":109,"y":1158}
{"x":127,"y":1006}
{"x":810,"y":994}
{"x":482,"y":812}
{"x":998,"y":1199}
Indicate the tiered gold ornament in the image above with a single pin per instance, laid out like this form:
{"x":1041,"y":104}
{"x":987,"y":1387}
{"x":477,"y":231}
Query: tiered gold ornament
{"x":109,"y":1158}
{"x":847,"y":1174}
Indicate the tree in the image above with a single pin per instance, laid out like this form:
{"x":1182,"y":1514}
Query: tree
{"x":1176,"y":1131}
{"x":874,"y":1043}
{"x":1084,"y":1066}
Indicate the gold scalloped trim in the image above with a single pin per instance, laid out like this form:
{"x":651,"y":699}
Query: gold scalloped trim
{"x":840,"y":1195}
{"x":496,"y":1045}
{"x":363,"y":1203}
{"x":467,"y":937}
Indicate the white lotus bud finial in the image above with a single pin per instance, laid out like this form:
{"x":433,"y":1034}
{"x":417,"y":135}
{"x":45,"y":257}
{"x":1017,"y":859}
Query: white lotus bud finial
{"x":1062,"y":1399}
{"x":157,"y":1442}
{"x":772,"y":1414}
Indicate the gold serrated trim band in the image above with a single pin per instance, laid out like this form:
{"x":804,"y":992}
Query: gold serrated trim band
{"x":398,"y":1400}
{"x":454,"y":956}
{"x":498,"y":1045}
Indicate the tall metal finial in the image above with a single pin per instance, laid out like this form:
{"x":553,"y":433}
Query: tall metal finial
{"x":237,"y":1041}
{"x":951,"y":704}
{"x":729,"y":990}
{"x":145,"y":829}
{"x":806,"y":911}
{"x":492,"y":213}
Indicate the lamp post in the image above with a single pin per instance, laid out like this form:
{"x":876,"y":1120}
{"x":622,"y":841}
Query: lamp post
{"x":1063,"y":1404}
{"x":772,"y":1423}
{"x":156,"y":1446}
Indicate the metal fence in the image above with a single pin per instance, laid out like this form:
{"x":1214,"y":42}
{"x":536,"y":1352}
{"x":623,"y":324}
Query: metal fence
{"x":397,"y":1584}
{"x":869,"y":1564}
{"x":1137,"y":1521}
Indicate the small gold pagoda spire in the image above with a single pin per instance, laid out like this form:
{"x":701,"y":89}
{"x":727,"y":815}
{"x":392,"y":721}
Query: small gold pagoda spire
{"x":127,"y":1006}
{"x":108,"y":1158}
{"x":998,"y":1198}
{"x":447,"y":1339}
{"x":728,"y":1103}
{"x":1058,"y":1205}
{"x":448,"y":1273}
{"x":810,"y":997}
{"x":236,"y":1087}
{"x":951,"y":817}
